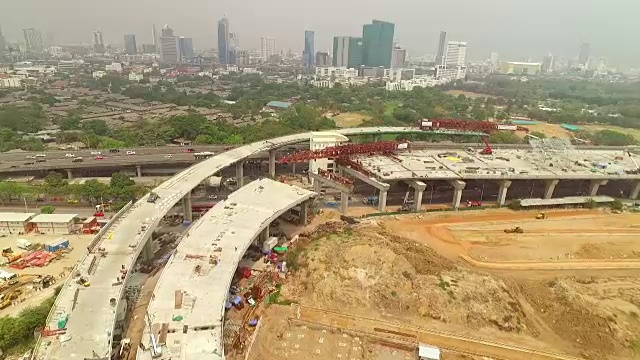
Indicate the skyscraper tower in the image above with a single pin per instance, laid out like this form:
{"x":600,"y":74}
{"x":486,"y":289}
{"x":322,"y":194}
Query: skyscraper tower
{"x":267,"y":47}
{"x":583,"y":57}
{"x":98,"y":41}
{"x":130,"y":45}
{"x":223,"y":41}
{"x":169,"y":53}
{"x":442,"y":44}
{"x":2,"y":43}
{"x":154,"y":36}
{"x":308,"y":56}
{"x":377,"y":39}
{"x":33,"y":40}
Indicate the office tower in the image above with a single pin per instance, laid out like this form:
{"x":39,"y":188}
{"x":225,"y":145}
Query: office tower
{"x":149,"y":49}
{"x":98,"y":42}
{"x":223,"y":41}
{"x":442,"y":43}
{"x":583,"y":57}
{"x":493,"y":59}
{"x":33,"y":40}
{"x":242,"y":57}
{"x":185,"y":47}
{"x":547,"y":64}
{"x":3,"y":44}
{"x":377,"y":39}
{"x":267,"y":47}
{"x":169,"y":53}
{"x":309,"y":46}
{"x":455,"y":57}
{"x":234,"y":43}
{"x":398,"y":57}
{"x":347,"y":51}
{"x":322,"y":59}
{"x":130,"y":46}
{"x":154,"y":36}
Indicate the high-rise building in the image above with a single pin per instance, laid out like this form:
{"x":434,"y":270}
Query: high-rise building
{"x":347,"y":51}
{"x":547,"y":64}
{"x":583,"y":57}
{"x":398,"y":57}
{"x":185,"y":47}
{"x":234,"y":44}
{"x":493,"y":59}
{"x":243,"y":58}
{"x":130,"y":46}
{"x":149,"y":49}
{"x":309,"y":49}
{"x":33,"y":40}
{"x":454,"y":63}
{"x":377,"y":39}
{"x":169,"y":53}
{"x":442,"y":45}
{"x":267,"y":47}
{"x":154,"y":36}
{"x":223,"y":41}
{"x":3,"y":44}
{"x":322,"y":59}
{"x":98,"y":42}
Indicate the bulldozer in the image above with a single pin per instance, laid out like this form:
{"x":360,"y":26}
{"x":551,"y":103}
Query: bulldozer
{"x":6,"y":299}
{"x":541,"y":216}
{"x":515,"y":230}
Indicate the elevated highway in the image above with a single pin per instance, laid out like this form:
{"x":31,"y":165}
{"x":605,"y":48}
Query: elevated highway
{"x":90,"y":310}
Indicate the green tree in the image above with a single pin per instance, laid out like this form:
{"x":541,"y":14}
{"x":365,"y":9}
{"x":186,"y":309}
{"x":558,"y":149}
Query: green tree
{"x":47,"y":209}
{"x":504,"y":137}
{"x":70,"y":123}
{"x":55,"y":184}
{"x":97,"y":126}
{"x":538,"y":134}
{"x":94,"y":190}
{"x":617,"y":205}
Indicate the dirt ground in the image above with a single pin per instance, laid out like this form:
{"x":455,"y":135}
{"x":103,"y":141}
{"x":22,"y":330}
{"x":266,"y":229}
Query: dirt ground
{"x":555,"y":130}
{"x":408,"y":269}
{"x":349,"y":119}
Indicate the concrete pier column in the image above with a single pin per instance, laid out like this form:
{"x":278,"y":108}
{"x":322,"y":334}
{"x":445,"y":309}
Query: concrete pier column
{"x":635,"y":190}
{"x":139,"y":170}
{"x":595,"y":185}
{"x":147,"y":250}
{"x":549,"y":187}
{"x":344,"y":202}
{"x":382,"y":201}
{"x":502,"y":192}
{"x":293,"y":168}
{"x":304,"y":210}
{"x":458,"y":188}
{"x":69,"y":174}
{"x":240,"y":173}
{"x":272,"y":163}
{"x":264,"y":234}
{"x":186,"y":208}
{"x":317,"y":187}
{"x":417,"y":198}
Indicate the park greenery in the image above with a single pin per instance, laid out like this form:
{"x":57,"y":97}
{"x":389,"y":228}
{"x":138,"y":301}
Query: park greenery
{"x":119,"y":191}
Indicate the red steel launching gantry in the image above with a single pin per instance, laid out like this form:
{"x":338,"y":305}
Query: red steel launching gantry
{"x":341,"y":151}
{"x":467,"y":125}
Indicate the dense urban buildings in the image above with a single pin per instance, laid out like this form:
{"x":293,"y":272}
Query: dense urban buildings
{"x":442,"y":43}
{"x":309,"y":52}
{"x":169,"y":53}
{"x":130,"y":47}
{"x":267,"y":47}
{"x":33,"y":40}
{"x":377,"y":40}
{"x":223,"y":41}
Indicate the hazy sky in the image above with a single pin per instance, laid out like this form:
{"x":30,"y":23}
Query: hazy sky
{"x":515,"y":29}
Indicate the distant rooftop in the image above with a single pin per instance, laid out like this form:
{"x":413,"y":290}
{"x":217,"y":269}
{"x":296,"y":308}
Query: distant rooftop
{"x":15,"y":217}
{"x":54,"y":218}
{"x":279,"y":104}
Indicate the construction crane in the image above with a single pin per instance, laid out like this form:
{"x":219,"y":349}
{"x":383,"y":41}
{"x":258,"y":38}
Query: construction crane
{"x":487,"y":148}
{"x":342,"y":151}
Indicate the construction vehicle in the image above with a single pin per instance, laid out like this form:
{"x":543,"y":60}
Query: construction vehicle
{"x":474,"y":203}
{"x":11,"y":255}
{"x":515,"y":230}
{"x":45,"y":281}
{"x":487,"y":148}
{"x":6,"y":299}
{"x":541,"y":216}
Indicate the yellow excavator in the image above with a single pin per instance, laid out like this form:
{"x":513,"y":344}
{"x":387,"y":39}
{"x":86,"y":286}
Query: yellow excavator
{"x":6,"y":299}
{"x":541,"y":216}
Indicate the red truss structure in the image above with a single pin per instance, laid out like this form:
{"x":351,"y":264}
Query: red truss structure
{"x":467,"y":125}
{"x":342,"y":151}
{"x":336,"y":177}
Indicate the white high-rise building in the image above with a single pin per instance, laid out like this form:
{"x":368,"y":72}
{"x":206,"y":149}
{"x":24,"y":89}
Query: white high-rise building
{"x":169,"y":51}
{"x":494,"y":59}
{"x":454,"y":67}
{"x":268,"y":47}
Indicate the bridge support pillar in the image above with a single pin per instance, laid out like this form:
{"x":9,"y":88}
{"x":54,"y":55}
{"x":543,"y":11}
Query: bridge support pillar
{"x":293,"y":168}
{"x":304,"y":212}
{"x":458,"y":188}
{"x":418,"y":190}
{"x":502,"y":192}
{"x":147,"y":250}
{"x":272,"y":163}
{"x":595,"y":185}
{"x":382,"y":201}
{"x":635,"y":190}
{"x":240,"y":173}
{"x":186,"y":208}
{"x":264,"y":234}
{"x":549,"y":187}
{"x":139,"y":170}
{"x":69,"y":174}
{"x":317,"y":187}
{"x":344,"y":202}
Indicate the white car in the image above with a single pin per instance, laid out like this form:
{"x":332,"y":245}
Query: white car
{"x":131,"y":152}
{"x":168,"y":156}
{"x":212,"y":197}
{"x":30,"y":157}
{"x":69,"y":155}
{"x":96,"y":153}
{"x":41,"y":155}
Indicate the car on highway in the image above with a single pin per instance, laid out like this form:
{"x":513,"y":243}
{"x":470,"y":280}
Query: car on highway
{"x":30,"y":157}
{"x":96,"y":153}
{"x":78,"y":159}
{"x":114,"y":150}
{"x":99,"y":157}
{"x":152,"y":197}
{"x":189,"y":150}
{"x":168,"y":156}
{"x":41,"y":155}
{"x":69,"y":155}
{"x":29,"y":163}
{"x":41,"y":160}
{"x":131,"y":152}
{"x":212,"y":197}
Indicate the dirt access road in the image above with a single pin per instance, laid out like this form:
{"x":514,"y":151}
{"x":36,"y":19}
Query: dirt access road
{"x":401,"y":332}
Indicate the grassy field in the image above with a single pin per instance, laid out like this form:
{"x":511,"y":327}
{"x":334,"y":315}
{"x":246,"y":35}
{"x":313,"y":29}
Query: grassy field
{"x":350,"y":119}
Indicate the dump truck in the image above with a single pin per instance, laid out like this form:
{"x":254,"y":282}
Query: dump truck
{"x":515,"y":230}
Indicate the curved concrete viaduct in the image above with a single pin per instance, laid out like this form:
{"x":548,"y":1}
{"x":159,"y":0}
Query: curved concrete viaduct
{"x":91,"y":314}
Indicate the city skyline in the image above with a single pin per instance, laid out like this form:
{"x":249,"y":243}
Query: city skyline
{"x":501,"y":30}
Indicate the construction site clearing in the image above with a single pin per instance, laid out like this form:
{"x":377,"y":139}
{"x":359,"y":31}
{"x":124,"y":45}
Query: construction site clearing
{"x":376,"y":288}
{"x":32,"y":263}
